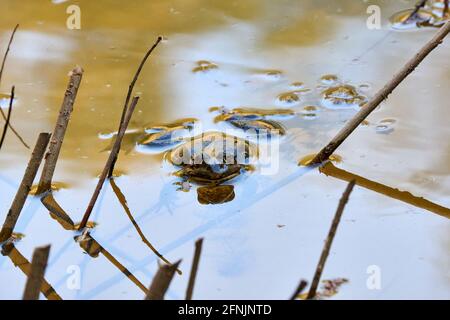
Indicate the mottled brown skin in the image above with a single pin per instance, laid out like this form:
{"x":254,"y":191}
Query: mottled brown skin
{"x":215,"y":194}
{"x":204,"y":174}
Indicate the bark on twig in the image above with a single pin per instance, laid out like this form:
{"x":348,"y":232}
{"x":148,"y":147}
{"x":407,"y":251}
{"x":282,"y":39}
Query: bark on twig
{"x":25,"y":186}
{"x":195,"y":262}
{"x":123,"y":201}
{"x":36,"y":276}
{"x":161,"y":281}
{"x":381,"y":95}
{"x":112,"y":156}
{"x":329,"y":240}
{"x":130,"y":91}
{"x":301,"y":287}
{"x":8,"y":118}
{"x":60,"y":130}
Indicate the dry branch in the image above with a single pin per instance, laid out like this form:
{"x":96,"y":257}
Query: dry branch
{"x":329,"y":240}
{"x":381,"y":95}
{"x":109,"y":163}
{"x":195,"y":262}
{"x":60,"y":130}
{"x":161,"y":281}
{"x":36,"y":276}
{"x":130,"y":91}
{"x":25,"y":186}
{"x":8,"y":118}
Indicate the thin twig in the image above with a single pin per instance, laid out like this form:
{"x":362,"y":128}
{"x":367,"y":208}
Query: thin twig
{"x":8,"y":118}
{"x":161,"y":281}
{"x":36,"y":276}
{"x":123,"y":201}
{"x":45,"y":183}
{"x":381,"y":95}
{"x":195,"y":262}
{"x":446,"y":8}
{"x":414,"y":13}
{"x":1,"y":74}
{"x":14,"y":131}
{"x":329,"y":240}
{"x":130,"y":91}
{"x":25,"y":186}
{"x":113,"y":155}
{"x":7,"y":51}
{"x":301,"y":287}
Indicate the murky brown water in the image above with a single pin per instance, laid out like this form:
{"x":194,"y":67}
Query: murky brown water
{"x":260,"y":54}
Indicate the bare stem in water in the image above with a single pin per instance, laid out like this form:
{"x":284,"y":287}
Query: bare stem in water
{"x":60,"y":130}
{"x":25,"y":186}
{"x":381,"y":95}
{"x":326,"y":248}
{"x":195,"y":262}
{"x":8,"y":118}
{"x":36,"y":276}
{"x":416,"y":10}
{"x":110,"y":162}
{"x":161,"y":281}
{"x":130,"y":91}
{"x":1,"y":74}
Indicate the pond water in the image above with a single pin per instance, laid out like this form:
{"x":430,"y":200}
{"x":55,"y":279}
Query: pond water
{"x":251,"y":54}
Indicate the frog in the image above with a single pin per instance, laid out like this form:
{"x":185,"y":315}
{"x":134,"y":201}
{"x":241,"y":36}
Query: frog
{"x":210,"y":160}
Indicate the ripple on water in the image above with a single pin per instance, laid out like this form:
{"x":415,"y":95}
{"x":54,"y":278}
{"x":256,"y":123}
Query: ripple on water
{"x":385,"y":126}
{"x":329,"y":79}
{"x":309,"y":112}
{"x":4,"y":100}
{"x":288,"y":98}
{"x":342,"y":97}
{"x":423,"y":18}
{"x":305,"y":161}
{"x":204,"y":66}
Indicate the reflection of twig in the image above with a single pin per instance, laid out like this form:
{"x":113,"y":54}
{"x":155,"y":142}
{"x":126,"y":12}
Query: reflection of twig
{"x":329,"y":240}
{"x":123,"y":202}
{"x":193,"y":275}
{"x":20,"y":261}
{"x":111,"y":159}
{"x":93,"y":248}
{"x":8,"y":118}
{"x":130,"y":91}
{"x":330,"y":170}
{"x":302,"y":285}
{"x":161,"y":281}
{"x":25,"y":185}
{"x":36,"y":276}
{"x":60,"y":129}
{"x":381,"y":95}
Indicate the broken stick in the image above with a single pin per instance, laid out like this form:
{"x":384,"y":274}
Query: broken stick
{"x":59,"y":132}
{"x":36,"y":276}
{"x":25,"y":186}
{"x":161,"y":281}
{"x":327,"y":246}
{"x":195,"y":262}
{"x":381,"y":95}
